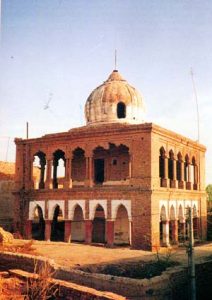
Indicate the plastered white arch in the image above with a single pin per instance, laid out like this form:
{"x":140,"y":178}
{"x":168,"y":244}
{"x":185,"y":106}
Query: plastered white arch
{"x":72,"y":205}
{"x":93,"y":205}
{"x":115,"y":205}
{"x":172,"y":212}
{"x":51,"y":207}
{"x":176,"y":204}
{"x":32,"y":206}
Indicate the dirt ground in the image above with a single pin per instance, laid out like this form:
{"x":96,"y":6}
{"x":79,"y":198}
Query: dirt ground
{"x":80,"y":255}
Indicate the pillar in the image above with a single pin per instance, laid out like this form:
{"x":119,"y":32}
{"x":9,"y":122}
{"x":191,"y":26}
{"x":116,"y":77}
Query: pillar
{"x":42,"y":173}
{"x":89,"y":171}
{"x":49,"y":174}
{"x":195,"y":184}
{"x":110,"y":233}
{"x":165,"y":179}
{"x":68,"y":179}
{"x":28,"y":229}
{"x":88,"y":231}
{"x":67,"y":237}
{"x":181,"y":181}
{"x":174,"y":225}
{"x":188,"y":183}
{"x":165,"y":225}
{"x":48,"y":224}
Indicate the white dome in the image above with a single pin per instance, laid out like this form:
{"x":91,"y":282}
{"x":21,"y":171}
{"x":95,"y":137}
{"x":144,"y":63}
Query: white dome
{"x":114,"y":101}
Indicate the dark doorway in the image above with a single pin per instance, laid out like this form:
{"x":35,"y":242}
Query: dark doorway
{"x":98,"y":234}
{"x":38,"y":224}
{"x":58,"y":225}
{"x":99,"y":166}
{"x":121,"y":110}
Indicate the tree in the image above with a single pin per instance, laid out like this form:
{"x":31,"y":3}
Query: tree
{"x":209,"y":191}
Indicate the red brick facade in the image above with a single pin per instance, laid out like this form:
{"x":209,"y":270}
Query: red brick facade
{"x":117,"y":186}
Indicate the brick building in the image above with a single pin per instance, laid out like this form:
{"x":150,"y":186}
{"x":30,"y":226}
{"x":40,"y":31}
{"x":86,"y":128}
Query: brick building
{"x":116,"y":180}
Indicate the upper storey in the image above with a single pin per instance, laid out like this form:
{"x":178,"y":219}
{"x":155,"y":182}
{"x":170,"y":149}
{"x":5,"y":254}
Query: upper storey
{"x":115,"y":101}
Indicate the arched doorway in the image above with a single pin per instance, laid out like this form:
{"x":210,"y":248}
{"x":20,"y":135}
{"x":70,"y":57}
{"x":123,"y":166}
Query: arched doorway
{"x":58,"y":225}
{"x":98,"y":233}
{"x":78,"y":225}
{"x":39,"y":170}
{"x":58,"y":169}
{"x":38,"y":224}
{"x":121,"y":227}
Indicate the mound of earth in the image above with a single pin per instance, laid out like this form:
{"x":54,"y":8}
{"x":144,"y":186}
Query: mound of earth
{"x":5,"y":237}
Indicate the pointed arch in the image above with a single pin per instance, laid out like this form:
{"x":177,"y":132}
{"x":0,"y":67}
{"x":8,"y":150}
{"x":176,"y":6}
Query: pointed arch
{"x":162,"y":171}
{"x":39,"y":170}
{"x":58,"y":224}
{"x":99,"y":222}
{"x":163,"y":214}
{"x":172,"y":214}
{"x":179,"y":165}
{"x":78,"y":170}
{"x":78,"y":225}
{"x":58,"y":168}
{"x":121,"y":226}
{"x":38,"y":224}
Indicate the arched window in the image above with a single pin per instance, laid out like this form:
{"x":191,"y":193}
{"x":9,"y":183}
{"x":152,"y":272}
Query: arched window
{"x":171,"y":165}
{"x":121,"y":110}
{"x":162,"y":158}
{"x":178,"y":166}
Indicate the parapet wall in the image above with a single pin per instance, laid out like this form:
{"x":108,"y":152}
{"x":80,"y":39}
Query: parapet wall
{"x":172,"y":284}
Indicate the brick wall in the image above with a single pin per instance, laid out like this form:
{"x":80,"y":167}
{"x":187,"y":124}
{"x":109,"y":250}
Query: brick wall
{"x":172,"y":284}
{"x":6,"y":204}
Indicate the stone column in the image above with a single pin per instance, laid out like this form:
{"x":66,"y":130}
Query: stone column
{"x":89,"y":171}
{"x":88,"y":231}
{"x":165,"y":225}
{"x":67,"y":231}
{"x":110,"y":233}
{"x":49,"y":173}
{"x":181,"y":181}
{"x":174,"y":225}
{"x":68,"y":179}
{"x":188,"y":183}
{"x":42,"y":172}
{"x":28,"y":229}
{"x":48,"y":224}
{"x":195,"y":185}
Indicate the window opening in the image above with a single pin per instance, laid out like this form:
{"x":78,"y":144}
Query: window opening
{"x":121,"y":110}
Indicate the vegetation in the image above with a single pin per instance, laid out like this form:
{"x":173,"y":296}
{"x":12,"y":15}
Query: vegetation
{"x":40,"y":286}
{"x":209,"y":191}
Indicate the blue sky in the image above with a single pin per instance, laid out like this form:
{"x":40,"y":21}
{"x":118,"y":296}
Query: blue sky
{"x":63,"y":49}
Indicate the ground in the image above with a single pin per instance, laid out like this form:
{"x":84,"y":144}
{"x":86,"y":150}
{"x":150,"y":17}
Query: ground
{"x":80,"y":255}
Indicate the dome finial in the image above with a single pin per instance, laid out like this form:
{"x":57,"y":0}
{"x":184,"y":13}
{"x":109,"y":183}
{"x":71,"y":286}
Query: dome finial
{"x":115,"y":60}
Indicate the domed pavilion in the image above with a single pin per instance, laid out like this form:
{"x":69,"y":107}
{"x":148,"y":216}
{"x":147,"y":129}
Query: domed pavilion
{"x":115,"y":181}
